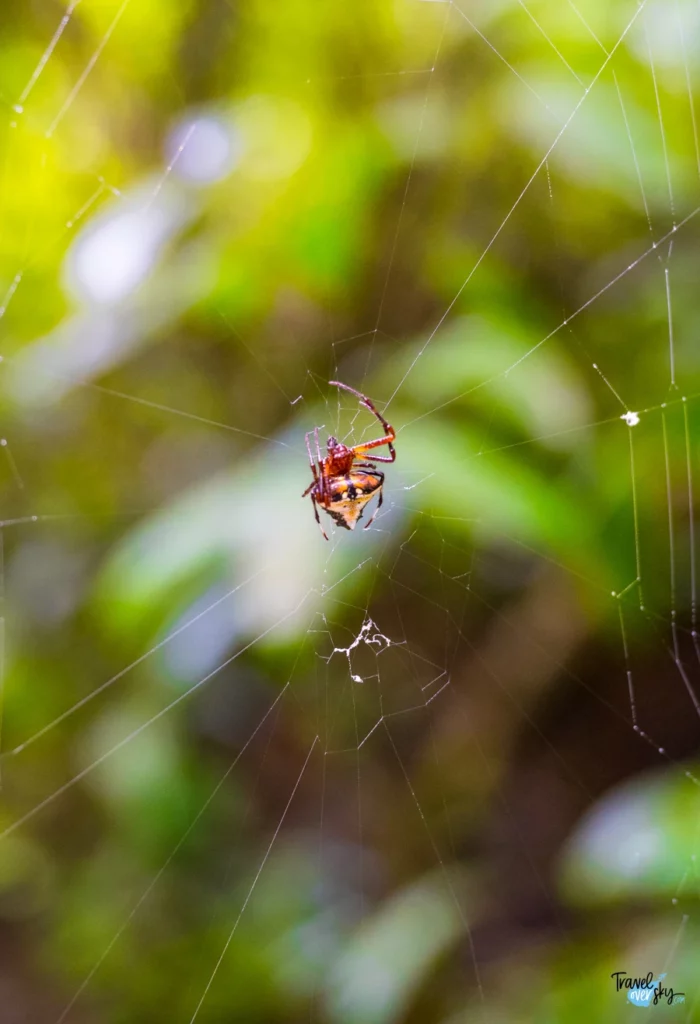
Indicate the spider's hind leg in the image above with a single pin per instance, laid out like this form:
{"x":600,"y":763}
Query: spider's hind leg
{"x":379,"y":505}
{"x":325,"y":535}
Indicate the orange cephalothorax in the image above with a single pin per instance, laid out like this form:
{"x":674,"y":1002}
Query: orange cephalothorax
{"x":342,"y":485}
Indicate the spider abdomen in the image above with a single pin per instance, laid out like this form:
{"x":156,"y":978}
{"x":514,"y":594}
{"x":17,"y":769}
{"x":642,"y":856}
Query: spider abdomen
{"x":350,"y":494}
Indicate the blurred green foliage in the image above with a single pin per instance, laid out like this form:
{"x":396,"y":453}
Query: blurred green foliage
{"x":251,"y":776}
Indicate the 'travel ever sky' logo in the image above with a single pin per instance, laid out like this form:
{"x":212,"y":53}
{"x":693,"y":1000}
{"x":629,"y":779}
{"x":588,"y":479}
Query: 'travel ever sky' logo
{"x":647,"y":990}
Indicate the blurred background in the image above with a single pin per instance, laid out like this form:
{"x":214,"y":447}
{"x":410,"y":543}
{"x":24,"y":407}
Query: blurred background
{"x":442,"y":770}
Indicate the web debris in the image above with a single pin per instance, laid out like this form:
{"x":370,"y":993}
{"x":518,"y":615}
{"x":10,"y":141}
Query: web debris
{"x":371,"y":636}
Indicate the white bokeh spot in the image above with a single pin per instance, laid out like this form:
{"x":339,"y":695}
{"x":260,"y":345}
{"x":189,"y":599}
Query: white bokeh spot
{"x":116,"y":253}
{"x":202,"y":150}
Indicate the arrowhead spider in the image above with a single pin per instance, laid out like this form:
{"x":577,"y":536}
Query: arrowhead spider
{"x":343,"y":483}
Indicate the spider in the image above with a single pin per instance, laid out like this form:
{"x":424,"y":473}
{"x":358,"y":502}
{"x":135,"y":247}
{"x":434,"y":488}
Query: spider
{"x":342,"y":485}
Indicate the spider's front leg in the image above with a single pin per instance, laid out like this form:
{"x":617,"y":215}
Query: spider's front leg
{"x":389,"y":433}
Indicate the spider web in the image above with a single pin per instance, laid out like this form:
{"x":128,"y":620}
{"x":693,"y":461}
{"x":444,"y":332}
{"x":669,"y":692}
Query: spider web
{"x":212,"y":788}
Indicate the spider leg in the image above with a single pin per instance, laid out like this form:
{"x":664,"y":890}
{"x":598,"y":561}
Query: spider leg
{"x":390,"y":433}
{"x":313,"y":467}
{"x":361,"y":449}
{"x":358,"y":394}
{"x":368,"y":404}
{"x":311,"y":458}
{"x":321,"y":474}
{"x":379,"y":505}
{"x":318,"y":520}
{"x":308,"y":448}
